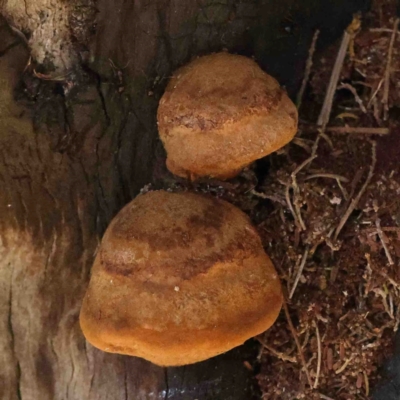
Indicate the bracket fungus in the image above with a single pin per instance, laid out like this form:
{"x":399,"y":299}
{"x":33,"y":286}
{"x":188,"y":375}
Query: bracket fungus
{"x":179,"y":278}
{"x":221,"y":112}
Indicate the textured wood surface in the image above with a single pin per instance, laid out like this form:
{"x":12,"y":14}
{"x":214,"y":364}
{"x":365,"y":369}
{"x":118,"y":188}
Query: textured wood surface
{"x":72,"y":152}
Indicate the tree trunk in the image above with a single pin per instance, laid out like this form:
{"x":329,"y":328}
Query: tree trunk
{"x":75,"y":149}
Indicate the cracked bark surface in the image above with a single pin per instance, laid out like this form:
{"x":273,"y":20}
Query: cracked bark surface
{"x":73,"y":153}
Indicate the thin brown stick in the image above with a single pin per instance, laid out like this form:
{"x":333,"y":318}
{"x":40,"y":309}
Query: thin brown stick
{"x":387,"y":30}
{"x":301,"y":166}
{"x":385,"y":229}
{"x":355,"y":94}
{"x":326,"y":175}
{"x":383,"y":274}
{"x":326,"y":109}
{"x":314,"y":149}
{"x":345,"y":364}
{"x":354,"y":202}
{"x":356,"y":179}
{"x":289,"y":203}
{"x":378,"y":88}
{"x":258,"y":194}
{"x":296,"y":339}
{"x":298,"y":212}
{"x":386,"y":85}
{"x":276,"y":353}
{"x":296,"y":267}
{"x":343,"y":190}
{"x":296,"y":190}
{"x":299,"y":272}
{"x":376,"y":110}
{"x":327,"y":139}
{"x":358,"y":129}
{"x":321,"y":135}
{"x":319,"y":355}
{"x":301,"y":143}
{"x":307,"y":72}
{"x":383,"y":239}
{"x":366,"y":383}
{"x":325,"y":113}
{"x":323,"y":397}
{"x":274,"y":198}
{"x":391,"y":306}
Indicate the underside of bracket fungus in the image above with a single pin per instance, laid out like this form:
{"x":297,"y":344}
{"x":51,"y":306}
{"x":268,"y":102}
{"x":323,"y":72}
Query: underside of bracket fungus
{"x":179,"y":278}
{"x":220,"y":113}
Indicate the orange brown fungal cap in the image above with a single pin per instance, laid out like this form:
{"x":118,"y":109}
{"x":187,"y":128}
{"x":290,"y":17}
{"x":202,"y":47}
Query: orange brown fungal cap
{"x":179,"y":278}
{"x":221,"y":112}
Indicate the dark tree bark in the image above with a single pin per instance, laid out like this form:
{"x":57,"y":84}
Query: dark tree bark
{"x":74,"y":151}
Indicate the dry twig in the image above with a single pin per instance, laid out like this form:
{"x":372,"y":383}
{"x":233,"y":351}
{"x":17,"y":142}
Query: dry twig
{"x":327,"y":175}
{"x":386,"y":85}
{"x":343,"y":190}
{"x":385,"y":229}
{"x":319,"y":356}
{"x":276,"y":353}
{"x":309,"y":64}
{"x":366,"y":383}
{"x":274,"y":198}
{"x":296,"y":339}
{"x":301,"y":166}
{"x":387,"y":30}
{"x":345,"y":364}
{"x":326,"y":109}
{"x":355,"y":200}
{"x":325,"y":113}
{"x":301,"y":143}
{"x":375,"y":93}
{"x":358,"y":129}
{"x":383,"y":239}
{"x":327,"y":139}
{"x":355,"y":94}
{"x":382,"y":274}
{"x":299,"y":272}
{"x":296,"y":190}
{"x":290,"y":205}
{"x":323,"y":397}
{"x":316,"y":143}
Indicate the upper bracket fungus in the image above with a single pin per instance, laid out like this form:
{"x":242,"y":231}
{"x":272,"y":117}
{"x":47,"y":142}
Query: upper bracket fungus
{"x":220,"y":113}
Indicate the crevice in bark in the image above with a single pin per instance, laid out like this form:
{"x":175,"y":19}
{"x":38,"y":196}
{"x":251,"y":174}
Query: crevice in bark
{"x":9,"y":47}
{"x":101,"y":199}
{"x":164,"y":35}
{"x":18,"y":370}
{"x":124,"y":189}
{"x":102,"y":97}
{"x":12,"y":335}
{"x":99,"y":184}
{"x":71,"y":378}
{"x":50,"y":254}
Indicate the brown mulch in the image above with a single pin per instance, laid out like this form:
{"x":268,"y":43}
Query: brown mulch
{"x":345,"y":307}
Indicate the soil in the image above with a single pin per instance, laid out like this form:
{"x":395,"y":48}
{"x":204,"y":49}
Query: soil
{"x":331,"y":225}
